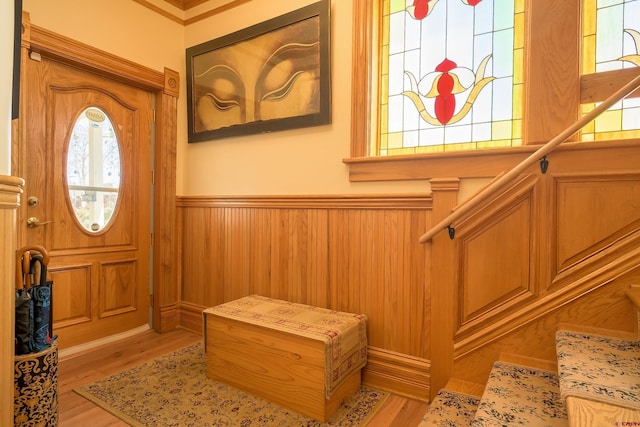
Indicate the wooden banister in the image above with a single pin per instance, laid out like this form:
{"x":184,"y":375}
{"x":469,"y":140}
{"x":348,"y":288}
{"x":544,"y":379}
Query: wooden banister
{"x":502,"y":181}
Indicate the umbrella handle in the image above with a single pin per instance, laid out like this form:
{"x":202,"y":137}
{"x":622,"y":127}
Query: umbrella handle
{"x":23,"y":261}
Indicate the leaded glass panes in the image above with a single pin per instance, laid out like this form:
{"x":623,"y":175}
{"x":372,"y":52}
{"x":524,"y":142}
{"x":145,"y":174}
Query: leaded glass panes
{"x":611,"y":41}
{"x":451,"y":75}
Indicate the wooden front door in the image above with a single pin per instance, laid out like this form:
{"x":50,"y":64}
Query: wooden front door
{"x":100,"y":267}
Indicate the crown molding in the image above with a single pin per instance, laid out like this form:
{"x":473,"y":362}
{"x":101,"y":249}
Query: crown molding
{"x":207,"y":9}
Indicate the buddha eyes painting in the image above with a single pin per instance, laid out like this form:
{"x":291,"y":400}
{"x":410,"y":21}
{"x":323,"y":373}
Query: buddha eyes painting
{"x":269,"y":77}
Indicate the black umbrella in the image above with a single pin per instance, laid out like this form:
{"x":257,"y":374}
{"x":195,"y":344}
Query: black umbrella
{"x":34,"y":321}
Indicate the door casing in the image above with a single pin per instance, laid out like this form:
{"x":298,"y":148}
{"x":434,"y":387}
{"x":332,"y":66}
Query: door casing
{"x":165,"y":87}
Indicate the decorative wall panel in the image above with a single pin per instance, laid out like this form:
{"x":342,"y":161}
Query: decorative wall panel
{"x":358,"y":254}
{"x":593,"y":211}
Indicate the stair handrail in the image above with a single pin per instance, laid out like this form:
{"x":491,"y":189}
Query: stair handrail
{"x":498,"y":184}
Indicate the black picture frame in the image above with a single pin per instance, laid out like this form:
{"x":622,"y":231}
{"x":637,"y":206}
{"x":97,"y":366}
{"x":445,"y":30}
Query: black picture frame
{"x":269,"y":77}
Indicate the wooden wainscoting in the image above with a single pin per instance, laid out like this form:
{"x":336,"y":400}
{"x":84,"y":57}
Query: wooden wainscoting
{"x":556,"y":247}
{"x":358,"y":254}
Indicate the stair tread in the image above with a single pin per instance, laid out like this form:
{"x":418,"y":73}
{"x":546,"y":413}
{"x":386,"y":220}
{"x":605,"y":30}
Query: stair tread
{"x":521,"y":395}
{"x":599,"y":368}
{"x":451,"y":408}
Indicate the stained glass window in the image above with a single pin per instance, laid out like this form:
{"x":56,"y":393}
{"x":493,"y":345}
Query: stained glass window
{"x":451,"y":75}
{"x":611,"y":41}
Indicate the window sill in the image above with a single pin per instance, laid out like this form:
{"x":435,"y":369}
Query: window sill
{"x":474,"y":164}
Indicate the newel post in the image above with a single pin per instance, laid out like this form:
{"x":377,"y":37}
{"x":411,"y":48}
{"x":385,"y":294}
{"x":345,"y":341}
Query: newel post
{"x":443,"y":304}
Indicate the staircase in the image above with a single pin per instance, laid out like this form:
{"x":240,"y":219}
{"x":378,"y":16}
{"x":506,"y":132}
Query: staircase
{"x":595,"y":382}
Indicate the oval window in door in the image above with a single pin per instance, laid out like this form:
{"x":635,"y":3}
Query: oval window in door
{"x":93,"y":170}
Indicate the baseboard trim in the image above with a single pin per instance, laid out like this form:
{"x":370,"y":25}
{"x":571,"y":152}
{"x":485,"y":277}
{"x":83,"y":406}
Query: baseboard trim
{"x":71,"y":352}
{"x":191,"y":317}
{"x":398,"y":373}
{"x":169,"y":317}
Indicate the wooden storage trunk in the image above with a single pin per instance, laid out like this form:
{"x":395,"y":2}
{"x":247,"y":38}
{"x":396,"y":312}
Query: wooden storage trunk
{"x":268,"y":348}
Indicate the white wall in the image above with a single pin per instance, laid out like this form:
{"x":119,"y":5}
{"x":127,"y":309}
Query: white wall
{"x":6,"y":79}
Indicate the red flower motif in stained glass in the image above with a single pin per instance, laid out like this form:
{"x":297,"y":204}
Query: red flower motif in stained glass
{"x":442,"y":85}
{"x":422,"y":8}
{"x":445,"y":104}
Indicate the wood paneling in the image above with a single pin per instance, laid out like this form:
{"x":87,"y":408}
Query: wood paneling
{"x":481,"y":163}
{"x":73,"y":294}
{"x":580,"y":201}
{"x":165,"y":229}
{"x":552,"y":88}
{"x":506,"y":230}
{"x":358,"y":254}
{"x":120,"y":296}
{"x":442,"y":287}
{"x":597,"y":87}
{"x":10,"y":191}
{"x":362,"y":99}
{"x":556,"y":248}
{"x":605,"y":306}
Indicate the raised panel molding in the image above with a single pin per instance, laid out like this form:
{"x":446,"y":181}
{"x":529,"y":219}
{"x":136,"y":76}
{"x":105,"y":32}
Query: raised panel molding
{"x":578,"y":286}
{"x":497,"y":253}
{"x":494,"y":286}
{"x":590,"y":218}
{"x":593,"y":212}
{"x":72,"y":294}
{"x":117,"y":288}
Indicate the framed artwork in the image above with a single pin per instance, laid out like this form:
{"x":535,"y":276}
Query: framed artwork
{"x":269,"y":77}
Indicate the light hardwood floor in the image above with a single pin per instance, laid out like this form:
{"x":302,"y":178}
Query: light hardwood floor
{"x":89,"y":365}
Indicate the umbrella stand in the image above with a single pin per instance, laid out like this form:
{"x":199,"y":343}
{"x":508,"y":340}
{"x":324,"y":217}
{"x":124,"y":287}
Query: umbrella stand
{"x":36,"y":360}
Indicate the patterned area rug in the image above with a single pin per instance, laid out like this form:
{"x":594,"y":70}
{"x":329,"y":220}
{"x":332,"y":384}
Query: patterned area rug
{"x":599,"y":368}
{"x":451,"y":409}
{"x":173,"y":390}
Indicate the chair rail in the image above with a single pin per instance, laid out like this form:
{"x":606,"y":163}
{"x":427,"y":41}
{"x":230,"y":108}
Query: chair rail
{"x":503,"y":180}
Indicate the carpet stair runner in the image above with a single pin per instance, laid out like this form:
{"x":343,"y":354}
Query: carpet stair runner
{"x":598,"y":383}
{"x":599,"y":373}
